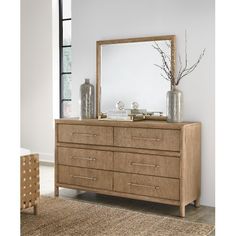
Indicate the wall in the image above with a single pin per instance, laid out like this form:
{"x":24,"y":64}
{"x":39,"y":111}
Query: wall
{"x":37,"y":70}
{"x":110,"y":19}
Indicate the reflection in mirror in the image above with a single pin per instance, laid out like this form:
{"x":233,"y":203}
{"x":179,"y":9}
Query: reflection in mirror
{"x":127,"y":73}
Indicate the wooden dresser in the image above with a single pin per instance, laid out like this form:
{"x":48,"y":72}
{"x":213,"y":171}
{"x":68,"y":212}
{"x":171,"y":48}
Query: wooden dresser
{"x":147,"y":160}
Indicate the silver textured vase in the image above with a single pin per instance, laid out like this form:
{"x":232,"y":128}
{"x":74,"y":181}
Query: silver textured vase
{"x":174,"y":109}
{"x":87,"y":100}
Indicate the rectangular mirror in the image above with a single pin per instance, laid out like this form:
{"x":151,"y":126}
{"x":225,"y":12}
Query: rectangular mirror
{"x":126,"y":72}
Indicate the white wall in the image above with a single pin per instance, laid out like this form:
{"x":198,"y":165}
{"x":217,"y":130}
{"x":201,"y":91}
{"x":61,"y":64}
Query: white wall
{"x":37,"y":70}
{"x":111,"y":19}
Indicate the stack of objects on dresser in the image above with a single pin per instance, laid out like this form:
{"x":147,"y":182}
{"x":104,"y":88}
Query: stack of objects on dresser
{"x":125,"y":114}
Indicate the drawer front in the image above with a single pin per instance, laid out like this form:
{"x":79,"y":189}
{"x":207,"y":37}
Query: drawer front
{"x":84,"y":134}
{"x":85,"y":177}
{"x":85,"y":158}
{"x":147,"y":164}
{"x":147,"y":138}
{"x":147,"y":185}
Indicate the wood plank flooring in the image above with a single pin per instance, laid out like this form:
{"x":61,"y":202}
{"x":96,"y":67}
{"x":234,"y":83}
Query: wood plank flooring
{"x":203,"y":214}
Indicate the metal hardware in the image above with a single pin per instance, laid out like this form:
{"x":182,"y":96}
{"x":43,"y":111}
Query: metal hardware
{"x":143,"y":185}
{"x":84,"y":177}
{"x":146,"y":138}
{"x":85,"y":134}
{"x":84,"y":158}
{"x":65,"y":19}
{"x":144,"y":164}
{"x":65,"y":100}
{"x":67,"y":46}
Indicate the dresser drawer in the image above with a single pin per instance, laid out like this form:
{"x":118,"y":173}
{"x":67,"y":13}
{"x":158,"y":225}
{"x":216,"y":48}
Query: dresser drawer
{"x":85,"y":134}
{"x":147,"y":185}
{"x":147,"y":138}
{"x":85,"y":177}
{"x":147,"y":164}
{"x":85,"y":158}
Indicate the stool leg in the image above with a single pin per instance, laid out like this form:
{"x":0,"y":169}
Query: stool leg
{"x":36,"y":209}
{"x":56,"y":191}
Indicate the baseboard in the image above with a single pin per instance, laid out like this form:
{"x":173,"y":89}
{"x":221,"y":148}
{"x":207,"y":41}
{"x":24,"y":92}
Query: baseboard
{"x":45,"y":158}
{"x":46,"y":163}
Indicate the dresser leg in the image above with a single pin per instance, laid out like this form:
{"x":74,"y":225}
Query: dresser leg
{"x":197,"y":203}
{"x":56,"y":191}
{"x":182,"y":210}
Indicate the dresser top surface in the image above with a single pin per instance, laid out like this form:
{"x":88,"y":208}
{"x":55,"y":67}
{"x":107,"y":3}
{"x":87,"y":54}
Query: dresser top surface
{"x":134,"y":124}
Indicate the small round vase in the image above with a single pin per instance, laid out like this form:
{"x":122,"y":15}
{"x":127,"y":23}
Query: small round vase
{"x":174,"y":109}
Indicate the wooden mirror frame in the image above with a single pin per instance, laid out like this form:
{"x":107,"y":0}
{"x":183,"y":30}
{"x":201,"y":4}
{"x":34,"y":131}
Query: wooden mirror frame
{"x":99,"y":44}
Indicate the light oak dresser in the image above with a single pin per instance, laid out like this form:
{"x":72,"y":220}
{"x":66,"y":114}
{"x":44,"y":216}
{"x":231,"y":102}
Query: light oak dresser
{"x":146,"y":160}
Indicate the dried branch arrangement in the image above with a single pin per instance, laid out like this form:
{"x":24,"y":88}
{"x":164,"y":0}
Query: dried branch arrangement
{"x":183,"y":69}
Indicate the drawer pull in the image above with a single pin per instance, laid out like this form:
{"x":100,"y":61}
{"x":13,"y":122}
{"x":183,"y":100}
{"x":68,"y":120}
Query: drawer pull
{"x":146,"y":138}
{"x":144,"y":164}
{"x":84,"y":158}
{"x":84,"y":177}
{"x":142,"y":185}
{"x":84,"y":134}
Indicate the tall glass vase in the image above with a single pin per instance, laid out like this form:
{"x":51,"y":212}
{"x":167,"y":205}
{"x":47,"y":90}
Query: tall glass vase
{"x":87,"y":100}
{"x":174,"y":100}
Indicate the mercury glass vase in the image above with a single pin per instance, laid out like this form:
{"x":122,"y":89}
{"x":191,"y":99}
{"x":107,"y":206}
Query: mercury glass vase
{"x":87,"y":100}
{"x":174,"y":105}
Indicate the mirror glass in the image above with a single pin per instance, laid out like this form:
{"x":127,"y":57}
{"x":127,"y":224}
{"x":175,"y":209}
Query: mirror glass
{"x":127,"y":73}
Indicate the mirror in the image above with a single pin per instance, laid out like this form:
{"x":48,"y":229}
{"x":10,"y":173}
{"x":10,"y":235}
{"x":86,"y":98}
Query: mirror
{"x":126,"y":72}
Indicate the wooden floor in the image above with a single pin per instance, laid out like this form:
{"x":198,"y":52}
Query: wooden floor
{"x":203,"y":214}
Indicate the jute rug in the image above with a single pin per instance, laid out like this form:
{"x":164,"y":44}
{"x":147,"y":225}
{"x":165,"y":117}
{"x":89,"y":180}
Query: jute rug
{"x":62,"y":217}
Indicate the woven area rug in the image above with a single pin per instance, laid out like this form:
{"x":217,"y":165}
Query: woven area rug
{"x":58,"y":216}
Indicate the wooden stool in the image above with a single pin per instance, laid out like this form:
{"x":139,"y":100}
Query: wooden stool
{"x":30,"y":181}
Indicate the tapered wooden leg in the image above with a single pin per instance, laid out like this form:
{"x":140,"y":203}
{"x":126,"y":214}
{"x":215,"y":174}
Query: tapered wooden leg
{"x":197,"y":202}
{"x":182,"y":210}
{"x":56,"y":191}
{"x":36,"y":209}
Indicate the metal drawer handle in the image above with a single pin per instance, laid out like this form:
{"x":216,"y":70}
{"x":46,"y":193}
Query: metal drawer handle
{"x":142,"y":185}
{"x":146,"y":138}
{"x":84,"y":158}
{"x":144,"y":164}
{"x":84,"y":177}
{"x":85,"y":134}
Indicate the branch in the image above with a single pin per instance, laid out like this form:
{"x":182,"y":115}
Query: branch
{"x":199,"y":59}
{"x":164,"y":69}
{"x":183,"y":70}
{"x":186,"y":55}
{"x":167,"y":43}
{"x":165,"y":77}
{"x":163,"y":55}
{"x":180,"y":74}
{"x":190,"y":69}
{"x":181,"y":66}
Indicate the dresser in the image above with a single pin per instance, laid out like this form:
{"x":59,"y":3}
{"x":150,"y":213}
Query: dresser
{"x":147,"y":160}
